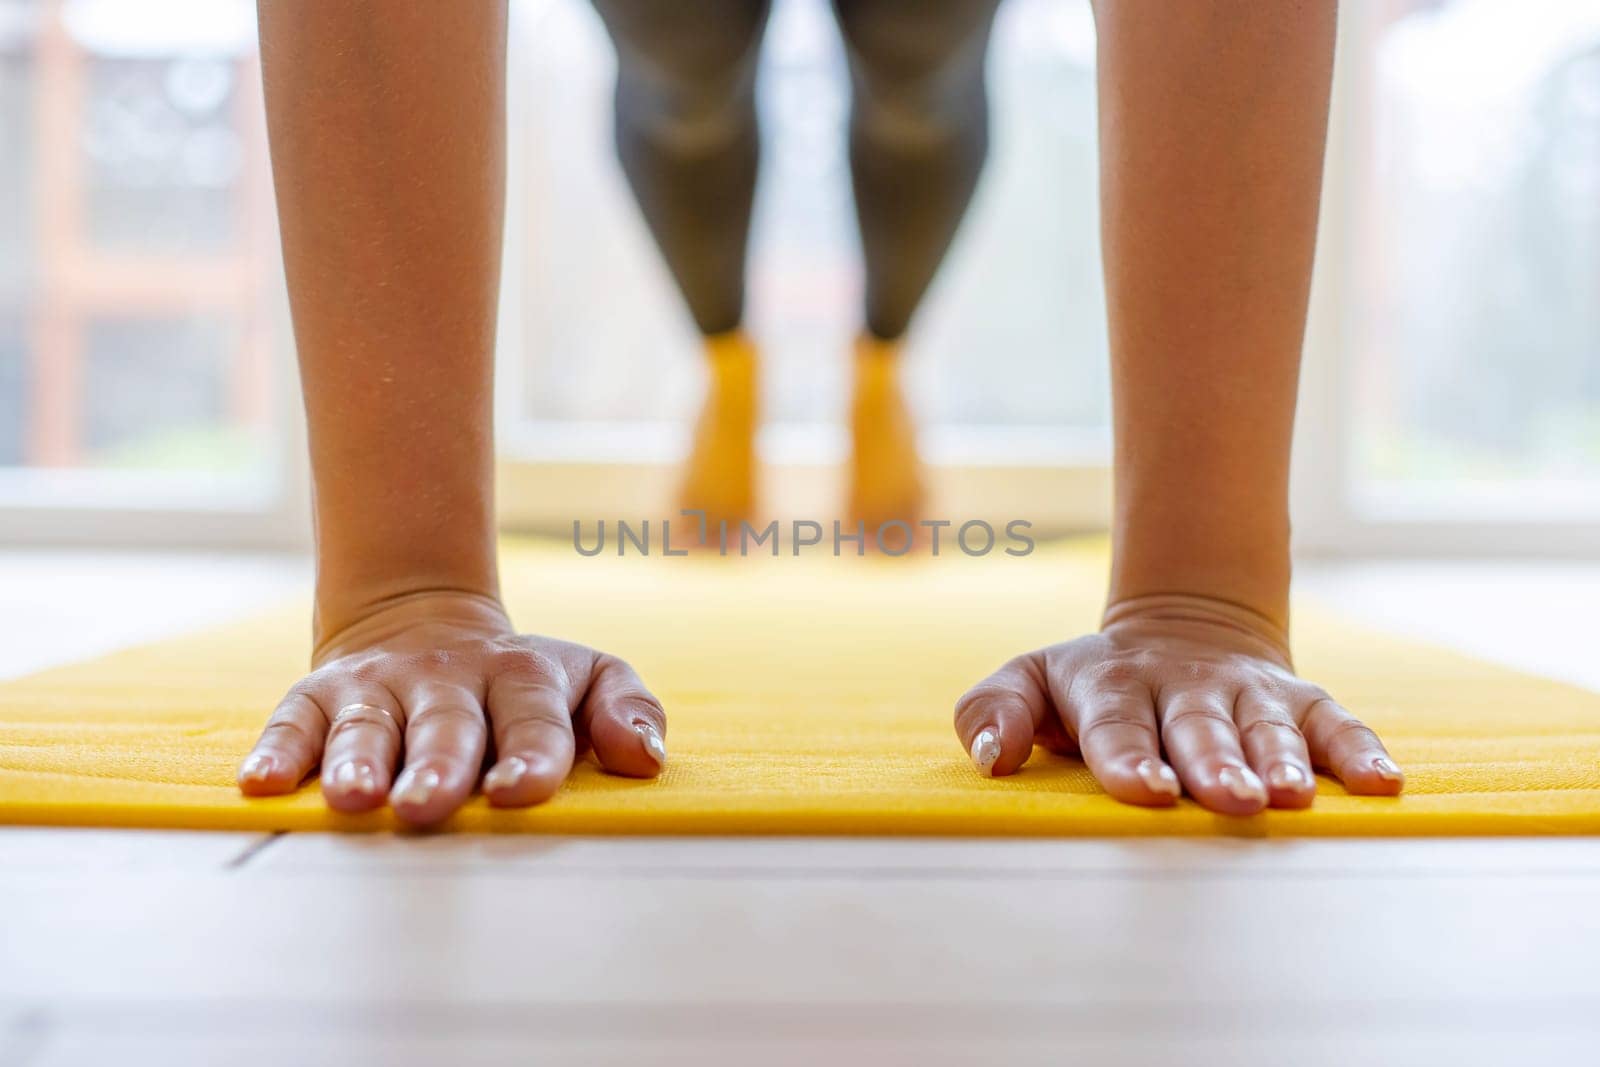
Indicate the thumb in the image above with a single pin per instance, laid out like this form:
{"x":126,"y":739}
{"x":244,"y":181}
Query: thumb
{"x":998,"y":718}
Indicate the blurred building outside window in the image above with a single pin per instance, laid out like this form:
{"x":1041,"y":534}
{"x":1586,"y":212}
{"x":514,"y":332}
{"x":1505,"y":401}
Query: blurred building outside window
{"x":137,"y":253}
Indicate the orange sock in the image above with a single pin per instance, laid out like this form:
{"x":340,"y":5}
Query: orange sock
{"x":885,"y":473}
{"x":719,"y":474}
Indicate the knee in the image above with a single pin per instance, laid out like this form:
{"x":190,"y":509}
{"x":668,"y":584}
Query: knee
{"x":917,"y":93}
{"x":693,"y":95}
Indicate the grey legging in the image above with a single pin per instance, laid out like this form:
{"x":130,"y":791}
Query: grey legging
{"x":687,"y":138}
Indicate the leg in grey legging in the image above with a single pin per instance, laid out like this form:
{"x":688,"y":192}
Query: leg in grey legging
{"x":686,"y":134}
{"x":687,"y":138}
{"x":919,"y":132}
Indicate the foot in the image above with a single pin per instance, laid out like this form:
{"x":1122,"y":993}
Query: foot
{"x":719,"y":475}
{"x":885,"y":474}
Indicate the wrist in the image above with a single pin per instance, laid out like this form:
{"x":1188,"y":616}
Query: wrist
{"x":353,"y":591}
{"x":1240,"y":622}
{"x":363,"y":569}
{"x":361,"y":624}
{"x":1181,"y":547}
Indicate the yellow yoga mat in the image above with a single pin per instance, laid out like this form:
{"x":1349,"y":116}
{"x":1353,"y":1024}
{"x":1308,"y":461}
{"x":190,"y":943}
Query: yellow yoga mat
{"x":808,"y":695}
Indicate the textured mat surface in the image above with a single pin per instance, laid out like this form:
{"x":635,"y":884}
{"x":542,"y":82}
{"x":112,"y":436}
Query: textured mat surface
{"x":807,"y":695}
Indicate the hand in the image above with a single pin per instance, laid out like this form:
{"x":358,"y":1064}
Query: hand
{"x":1208,"y":682}
{"x":421,"y":682}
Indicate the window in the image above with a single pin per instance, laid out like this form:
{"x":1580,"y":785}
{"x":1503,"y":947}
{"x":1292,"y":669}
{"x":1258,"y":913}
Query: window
{"x":1457,"y":402}
{"x":141,"y":361}
{"x":1452,"y":385}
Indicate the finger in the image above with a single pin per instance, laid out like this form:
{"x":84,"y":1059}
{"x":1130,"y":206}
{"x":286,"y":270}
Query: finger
{"x":362,"y":749}
{"x":445,"y":741}
{"x":534,"y":749}
{"x":1346,"y":746}
{"x":1052,"y":736}
{"x":1203,"y":744}
{"x":1275,"y":749}
{"x":1117,"y":735}
{"x":998,"y":718}
{"x":623,"y":721}
{"x":290,"y":745}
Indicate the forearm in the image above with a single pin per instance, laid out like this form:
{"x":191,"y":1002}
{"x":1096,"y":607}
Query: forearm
{"x":1213,"y":117}
{"x":386,"y":120}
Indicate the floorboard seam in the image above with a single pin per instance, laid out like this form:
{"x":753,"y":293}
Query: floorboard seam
{"x":254,"y":849}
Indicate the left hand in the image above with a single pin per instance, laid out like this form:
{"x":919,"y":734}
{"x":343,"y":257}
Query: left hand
{"x":1206,"y":682}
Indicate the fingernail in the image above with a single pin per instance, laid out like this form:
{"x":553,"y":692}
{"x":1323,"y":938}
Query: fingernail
{"x":1158,"y":778}
{"x":353,"y":777}
{"x":1287,"y":776}
{"x":505,"y":774}
{"x":654,"y":743}
{"x":257,"y":768}
{"x":1387,"y":770}
{"x":985,"y":750}
{"x":1242,"y":783}
{"x":415,"y":787}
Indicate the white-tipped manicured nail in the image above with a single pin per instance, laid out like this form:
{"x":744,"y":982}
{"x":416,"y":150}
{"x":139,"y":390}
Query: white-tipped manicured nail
{"x":654,"y":743}
{"x":1158,"y":778}
{"x":505,"y":774}
{"x":1287,"y":776}
{"x":415,"y":787}
{"x":353,"y":777}
{"x":1387,"y":770}
{"x":257,"y":768}
{"x":1242,"y":783}
{"x":985,"y":750}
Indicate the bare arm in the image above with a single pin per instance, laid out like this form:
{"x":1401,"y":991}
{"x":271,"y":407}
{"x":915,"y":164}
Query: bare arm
{"x":388,"y":152}
{"x":1213,"y":115}
{"x":387,"y":125}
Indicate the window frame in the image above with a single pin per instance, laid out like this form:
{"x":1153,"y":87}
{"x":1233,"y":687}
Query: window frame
{"x":1329,"y":520}
{"x":134,"y":509}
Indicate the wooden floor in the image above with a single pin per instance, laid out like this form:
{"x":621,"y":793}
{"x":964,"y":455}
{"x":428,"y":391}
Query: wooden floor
{"x":143,"y":947}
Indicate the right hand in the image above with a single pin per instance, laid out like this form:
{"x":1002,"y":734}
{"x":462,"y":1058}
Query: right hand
{"x":417,"y":686}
